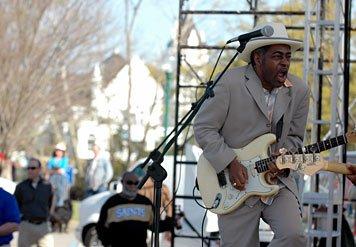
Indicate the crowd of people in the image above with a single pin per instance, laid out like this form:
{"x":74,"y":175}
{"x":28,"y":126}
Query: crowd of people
{"x":36,"y":205}
{"x":41,"y":203}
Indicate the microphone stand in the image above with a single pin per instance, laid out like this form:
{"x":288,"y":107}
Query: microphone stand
{"x":155,"y":170}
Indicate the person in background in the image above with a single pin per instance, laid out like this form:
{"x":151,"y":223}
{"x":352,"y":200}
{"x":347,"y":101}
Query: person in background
{"x":59,"y":174}
{"x":35,"y":199}
{"x":58,"y":163}
{"x":62,"y":204}
{"x":125,"y":217}
{"x":60,"y":187}
{"x":99,"y":172}
{"x":9,"y":217}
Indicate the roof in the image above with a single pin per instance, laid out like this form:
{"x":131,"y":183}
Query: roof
{"x":110,"y":67}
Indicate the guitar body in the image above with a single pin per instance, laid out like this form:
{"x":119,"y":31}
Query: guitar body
{"x":225,"y":199}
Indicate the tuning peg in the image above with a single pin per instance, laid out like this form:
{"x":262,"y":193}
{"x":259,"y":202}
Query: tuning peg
{"x":283,"y":150}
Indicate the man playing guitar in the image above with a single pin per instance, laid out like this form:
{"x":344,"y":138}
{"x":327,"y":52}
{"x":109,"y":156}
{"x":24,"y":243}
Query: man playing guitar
{"x":259,"y":98}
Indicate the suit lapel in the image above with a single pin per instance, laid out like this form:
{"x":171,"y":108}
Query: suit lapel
{"x":281,"y":104}
{"x":254,"y":86}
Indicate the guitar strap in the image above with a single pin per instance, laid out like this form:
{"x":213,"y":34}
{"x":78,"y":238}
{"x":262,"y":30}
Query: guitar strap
{"x":279,"y":128}
{"x":270,"y":97}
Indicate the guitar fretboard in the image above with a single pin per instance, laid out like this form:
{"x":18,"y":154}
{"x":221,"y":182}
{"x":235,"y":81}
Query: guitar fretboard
{"x":262,"y":165}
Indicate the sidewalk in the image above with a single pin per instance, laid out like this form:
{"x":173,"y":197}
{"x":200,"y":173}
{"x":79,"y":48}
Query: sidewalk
{"x":65,"y":239}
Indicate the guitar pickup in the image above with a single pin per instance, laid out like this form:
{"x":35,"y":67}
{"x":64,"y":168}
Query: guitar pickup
{"x":222,"y":178}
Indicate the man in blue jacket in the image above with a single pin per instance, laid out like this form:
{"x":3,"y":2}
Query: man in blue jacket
{"x":9,"y":217}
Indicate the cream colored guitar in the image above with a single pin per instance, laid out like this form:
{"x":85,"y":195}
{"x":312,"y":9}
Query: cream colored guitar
{"x":218,"y":194}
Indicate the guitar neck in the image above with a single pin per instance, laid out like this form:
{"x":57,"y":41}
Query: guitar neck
{"x":336,"y":167}
{"x":262,"y":165}
{"x":322,"y":146}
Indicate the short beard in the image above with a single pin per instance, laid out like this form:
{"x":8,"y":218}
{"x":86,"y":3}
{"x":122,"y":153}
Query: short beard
{"x":128,"y":194}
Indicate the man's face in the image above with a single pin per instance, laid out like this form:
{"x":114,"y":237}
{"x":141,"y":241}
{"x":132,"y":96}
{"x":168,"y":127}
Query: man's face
{"x":274,"y":64}
{"x":96,"y":150}
{"x":33,"y":171}
{"x":129,"y":184}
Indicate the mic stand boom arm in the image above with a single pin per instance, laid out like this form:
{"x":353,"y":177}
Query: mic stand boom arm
{"x":155,"y":170}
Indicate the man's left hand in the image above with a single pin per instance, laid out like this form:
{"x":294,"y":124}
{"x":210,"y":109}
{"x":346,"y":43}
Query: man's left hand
{"x":167,"y":236}
{"x":352,"y":176}
{"x":273,"y":167}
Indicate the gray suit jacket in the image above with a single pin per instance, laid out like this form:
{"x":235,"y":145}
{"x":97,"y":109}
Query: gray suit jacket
{"x":237,"y":114}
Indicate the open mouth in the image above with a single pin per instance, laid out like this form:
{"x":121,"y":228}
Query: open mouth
{"x":282,"y":75}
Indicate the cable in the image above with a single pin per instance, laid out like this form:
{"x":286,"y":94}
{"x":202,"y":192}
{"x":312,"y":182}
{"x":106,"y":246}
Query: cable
{"x":212,"y":73}
{"x":174,"y":192}
{"x":179,"y":176}
{"x":202,"y":206}
{"x":202,"y":229}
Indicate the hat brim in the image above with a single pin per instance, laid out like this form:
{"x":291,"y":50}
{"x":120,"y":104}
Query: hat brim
{"x":60,"y":149}
{"x":256,"y":43}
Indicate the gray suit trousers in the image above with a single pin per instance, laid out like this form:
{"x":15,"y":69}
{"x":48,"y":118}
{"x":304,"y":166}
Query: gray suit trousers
{"x":240,"y":228}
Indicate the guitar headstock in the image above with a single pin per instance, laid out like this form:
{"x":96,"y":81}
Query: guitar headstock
{"x":308,"y":164}
{"x":351,"y":136}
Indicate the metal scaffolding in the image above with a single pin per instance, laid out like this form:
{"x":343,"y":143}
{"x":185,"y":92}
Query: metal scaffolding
{"x":319,"y":69}
{"x":326,"y":68}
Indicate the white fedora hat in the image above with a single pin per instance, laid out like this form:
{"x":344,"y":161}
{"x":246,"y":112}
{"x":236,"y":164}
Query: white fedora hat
{"x":279,"y":36}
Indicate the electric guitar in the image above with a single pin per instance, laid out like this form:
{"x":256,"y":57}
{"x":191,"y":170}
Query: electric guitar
{"x":221,"y":197}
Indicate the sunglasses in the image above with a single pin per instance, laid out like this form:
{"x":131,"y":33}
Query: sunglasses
{"x":31,"y":168}
{"x":130,"y":182}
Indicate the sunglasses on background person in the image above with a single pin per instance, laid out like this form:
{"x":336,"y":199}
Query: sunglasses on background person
{"x":130,"y":182}
{"x":32,"y":168}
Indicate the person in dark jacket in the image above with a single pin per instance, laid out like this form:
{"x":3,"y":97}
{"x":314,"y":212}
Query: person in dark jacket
{"x":35,"y":199}
{"x":125,"y":217}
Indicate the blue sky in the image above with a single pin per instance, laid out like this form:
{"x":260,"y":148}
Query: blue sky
{"x":156,"y":25}
{"x":153,"y":26}
{"x":156,"y":20}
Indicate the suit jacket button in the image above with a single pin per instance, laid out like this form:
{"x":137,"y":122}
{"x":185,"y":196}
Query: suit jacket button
{"x":268,"y":125}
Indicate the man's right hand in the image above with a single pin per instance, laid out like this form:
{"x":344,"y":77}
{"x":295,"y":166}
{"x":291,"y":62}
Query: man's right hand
{"x":238,"y":174}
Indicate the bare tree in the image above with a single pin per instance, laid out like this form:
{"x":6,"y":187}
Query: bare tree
{"x":39,"y":41}
{"x":130,"y":17}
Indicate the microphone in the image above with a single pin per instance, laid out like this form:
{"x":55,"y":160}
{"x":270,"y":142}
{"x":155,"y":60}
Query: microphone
{"x":265,"y":31}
